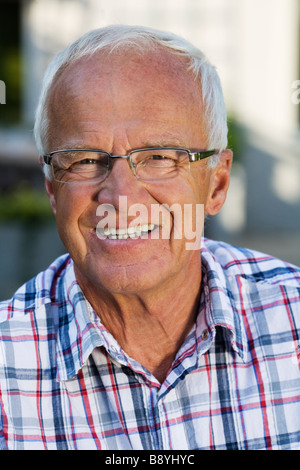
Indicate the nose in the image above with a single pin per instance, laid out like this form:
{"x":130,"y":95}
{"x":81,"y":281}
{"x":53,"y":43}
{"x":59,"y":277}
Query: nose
{"x":121,"y":182}
{"x":115,"y":158}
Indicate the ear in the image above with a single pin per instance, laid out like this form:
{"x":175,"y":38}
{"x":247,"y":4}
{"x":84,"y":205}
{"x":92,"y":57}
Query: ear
{"x":51,"y":195}
{"x":219,"y":183}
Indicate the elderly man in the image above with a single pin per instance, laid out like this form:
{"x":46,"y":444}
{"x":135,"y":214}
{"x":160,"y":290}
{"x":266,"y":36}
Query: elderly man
{"x":140,"y":338}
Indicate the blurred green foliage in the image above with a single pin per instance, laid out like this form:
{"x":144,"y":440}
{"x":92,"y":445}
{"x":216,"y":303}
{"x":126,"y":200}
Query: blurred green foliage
{"x":25,"y":204}
{"x":236,"y":139}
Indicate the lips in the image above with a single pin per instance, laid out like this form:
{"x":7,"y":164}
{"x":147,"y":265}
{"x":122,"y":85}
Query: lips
{"x":136,"y":231}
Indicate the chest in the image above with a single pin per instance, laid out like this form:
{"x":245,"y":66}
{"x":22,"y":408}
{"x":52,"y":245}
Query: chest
{"x":222,"y":403}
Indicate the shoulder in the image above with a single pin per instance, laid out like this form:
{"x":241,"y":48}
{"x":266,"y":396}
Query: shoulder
{"x":257,"y":293}
{"x":249,"y":264}
{"x":34,"y":293}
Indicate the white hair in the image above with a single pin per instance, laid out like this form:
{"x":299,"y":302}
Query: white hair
{"x":139,"y":38}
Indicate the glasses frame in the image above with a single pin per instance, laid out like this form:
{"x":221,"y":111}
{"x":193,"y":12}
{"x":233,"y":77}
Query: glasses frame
{"x":193,"y":157}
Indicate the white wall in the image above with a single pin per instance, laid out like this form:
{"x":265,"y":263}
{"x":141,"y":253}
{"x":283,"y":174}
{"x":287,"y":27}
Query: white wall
{"x":253,"y":43}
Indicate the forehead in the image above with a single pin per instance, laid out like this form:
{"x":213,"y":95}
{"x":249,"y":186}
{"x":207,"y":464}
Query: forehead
{"x":129,"y":59}
{"x":126,"y":85}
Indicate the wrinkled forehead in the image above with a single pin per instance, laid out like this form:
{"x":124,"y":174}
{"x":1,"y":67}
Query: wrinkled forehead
{"x":98,"y":94}
{"x":153,"y":70}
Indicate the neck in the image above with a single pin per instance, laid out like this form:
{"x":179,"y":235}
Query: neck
{"x":150,"y":326}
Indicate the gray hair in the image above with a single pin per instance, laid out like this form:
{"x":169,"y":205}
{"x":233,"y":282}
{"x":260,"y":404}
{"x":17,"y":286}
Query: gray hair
{"x":140,"y":38}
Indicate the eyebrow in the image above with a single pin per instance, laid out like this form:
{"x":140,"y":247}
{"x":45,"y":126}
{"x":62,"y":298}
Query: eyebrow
{"x":81,"y":146}
{"x":174,"y":142}
{"x":163,"y":142}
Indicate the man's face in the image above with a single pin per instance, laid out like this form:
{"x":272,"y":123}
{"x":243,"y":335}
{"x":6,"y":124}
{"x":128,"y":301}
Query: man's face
{"x":119,"y":103}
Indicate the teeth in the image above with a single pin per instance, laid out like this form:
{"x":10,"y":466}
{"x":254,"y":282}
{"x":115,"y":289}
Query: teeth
{"x":124,"y":233}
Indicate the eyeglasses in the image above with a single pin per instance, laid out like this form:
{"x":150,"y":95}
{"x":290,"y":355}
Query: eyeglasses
{"x":149,"y":164}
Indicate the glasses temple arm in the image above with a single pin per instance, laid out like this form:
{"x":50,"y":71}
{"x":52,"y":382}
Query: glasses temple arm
{"x":47,"y":159}
{"x":196,"y":156}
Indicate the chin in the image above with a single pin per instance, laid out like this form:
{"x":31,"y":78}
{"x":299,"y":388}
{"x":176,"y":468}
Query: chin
{"x":128,"y":279}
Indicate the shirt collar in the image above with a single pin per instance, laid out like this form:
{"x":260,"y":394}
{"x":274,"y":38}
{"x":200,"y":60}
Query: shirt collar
{"x":221,"y":301}
{"x":79,"y":334}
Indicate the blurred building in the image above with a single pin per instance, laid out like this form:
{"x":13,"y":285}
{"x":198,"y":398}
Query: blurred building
{"x":255,"y":45}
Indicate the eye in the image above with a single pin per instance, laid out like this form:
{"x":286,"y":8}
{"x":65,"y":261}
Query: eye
{"x":87,"y":161}
{"x":159,"y":157}
{"x":161,"y":160}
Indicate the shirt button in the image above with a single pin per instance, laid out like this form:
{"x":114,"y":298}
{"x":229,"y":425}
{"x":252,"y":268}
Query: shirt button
{"x":205,"y":334}
{"x":114,"y":349}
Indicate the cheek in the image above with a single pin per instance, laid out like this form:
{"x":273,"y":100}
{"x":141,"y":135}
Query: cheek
{"x":71,"y":203}
{"x":200,"y":185}
{"x":189,"y":190}
{"x":185,"y":209}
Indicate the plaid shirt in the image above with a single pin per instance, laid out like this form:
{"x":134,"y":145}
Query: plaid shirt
{"x":65,"y":383}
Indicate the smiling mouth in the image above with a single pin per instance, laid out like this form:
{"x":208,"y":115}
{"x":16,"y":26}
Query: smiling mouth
{"x":137,"y":231}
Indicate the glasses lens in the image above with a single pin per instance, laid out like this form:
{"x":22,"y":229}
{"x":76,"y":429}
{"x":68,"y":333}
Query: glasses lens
{"x":155,"y":164}
{"x":79,"y":166}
